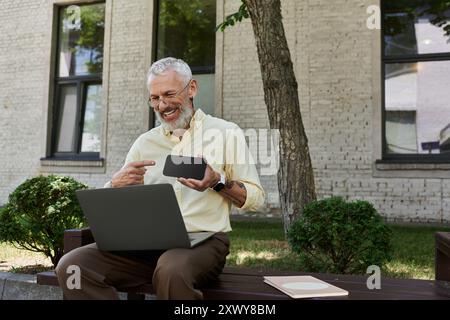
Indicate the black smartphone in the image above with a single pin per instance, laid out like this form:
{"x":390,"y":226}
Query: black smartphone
{"x":185,"y":167}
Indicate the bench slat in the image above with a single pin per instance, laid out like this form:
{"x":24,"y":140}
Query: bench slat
{"x":245,"y":286}
{"x":420,"y":289}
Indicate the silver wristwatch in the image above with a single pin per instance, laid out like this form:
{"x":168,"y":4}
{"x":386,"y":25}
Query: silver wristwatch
{"x":221,"y":184}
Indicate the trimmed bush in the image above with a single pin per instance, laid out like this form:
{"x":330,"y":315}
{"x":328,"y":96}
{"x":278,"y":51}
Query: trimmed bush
{"x":39,"y":211}
{"x":336,"y":236}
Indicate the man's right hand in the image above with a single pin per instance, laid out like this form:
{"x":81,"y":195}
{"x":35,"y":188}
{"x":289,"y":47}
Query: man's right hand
{"x":131,"y":174}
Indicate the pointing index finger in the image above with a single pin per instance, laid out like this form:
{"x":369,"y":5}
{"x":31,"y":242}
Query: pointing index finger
{"x":143,"y":163}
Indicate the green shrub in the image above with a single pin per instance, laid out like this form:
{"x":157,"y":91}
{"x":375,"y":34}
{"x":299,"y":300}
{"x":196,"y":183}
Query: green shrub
{"x":336,"y":236}
{"x":39,"y":211}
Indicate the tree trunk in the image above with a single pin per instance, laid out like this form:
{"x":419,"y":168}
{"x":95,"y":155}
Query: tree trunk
{"x":295,"y":175}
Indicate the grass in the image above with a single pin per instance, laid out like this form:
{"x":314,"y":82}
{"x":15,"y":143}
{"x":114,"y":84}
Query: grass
{"x":261,"y":244}
{"x":413,"y":252}
{"x":21,"y":261}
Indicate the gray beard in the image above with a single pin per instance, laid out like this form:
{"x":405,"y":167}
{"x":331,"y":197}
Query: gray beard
{"x":181,"y":123}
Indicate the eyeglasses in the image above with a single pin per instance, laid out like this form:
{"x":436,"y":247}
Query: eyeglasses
{"x":154,"y":102}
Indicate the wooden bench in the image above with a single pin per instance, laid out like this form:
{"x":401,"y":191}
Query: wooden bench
{"x":244,"y":284}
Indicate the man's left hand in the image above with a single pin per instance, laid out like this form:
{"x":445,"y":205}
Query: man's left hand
{"x":209,"y":180}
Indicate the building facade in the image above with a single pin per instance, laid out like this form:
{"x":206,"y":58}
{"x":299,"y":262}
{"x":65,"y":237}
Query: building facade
{"x":374,"y":90}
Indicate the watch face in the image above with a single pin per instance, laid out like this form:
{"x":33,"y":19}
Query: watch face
{"x":219,"y":186}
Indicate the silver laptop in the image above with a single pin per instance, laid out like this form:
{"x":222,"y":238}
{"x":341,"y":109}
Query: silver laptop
{"x":142,"y":217}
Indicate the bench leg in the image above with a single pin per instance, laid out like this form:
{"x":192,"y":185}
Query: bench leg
{"x":442,"y":266}
{"x":442,"y":252}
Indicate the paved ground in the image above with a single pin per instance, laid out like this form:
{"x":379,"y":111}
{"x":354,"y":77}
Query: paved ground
{"x":23,"y":287}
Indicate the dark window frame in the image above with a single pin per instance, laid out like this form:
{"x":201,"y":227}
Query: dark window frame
{"x":429,"y":57}
{"x":81,"y":82}
{"x":194,"y":69}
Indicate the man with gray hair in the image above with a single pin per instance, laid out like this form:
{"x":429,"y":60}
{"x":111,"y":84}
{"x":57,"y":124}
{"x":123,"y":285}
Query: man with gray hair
{"x":205,"y":204}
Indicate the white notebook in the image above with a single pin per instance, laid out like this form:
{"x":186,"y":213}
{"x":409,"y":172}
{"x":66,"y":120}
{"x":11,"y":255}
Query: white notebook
{"x":304,"y":286}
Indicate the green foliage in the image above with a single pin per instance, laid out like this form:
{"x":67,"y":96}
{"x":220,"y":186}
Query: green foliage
{"x":336,"y":236}
{"x":186,"y":30}
{"x":435,"y":10}
{"x":233,"y":18}
{"x":39,"y":211}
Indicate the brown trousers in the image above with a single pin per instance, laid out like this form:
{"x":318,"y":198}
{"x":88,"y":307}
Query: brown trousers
{"x":175,"y":273}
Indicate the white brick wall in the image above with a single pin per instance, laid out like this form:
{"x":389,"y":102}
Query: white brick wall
{"x":332,"y":52}
{"x":333,"y":57}
{"x":23,"y":69}
{"x":21,"y":77}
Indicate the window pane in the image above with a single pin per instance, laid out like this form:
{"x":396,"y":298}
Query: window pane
{"x":90,"y":141}
{"x":67,"y":119}
{"x":401,"y":132}
{"x":81,"y":31}
{"x":186,"y":30}
{"x":417,"y":106}
{"x":205,"y":96}
{"x":416,"y":27}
